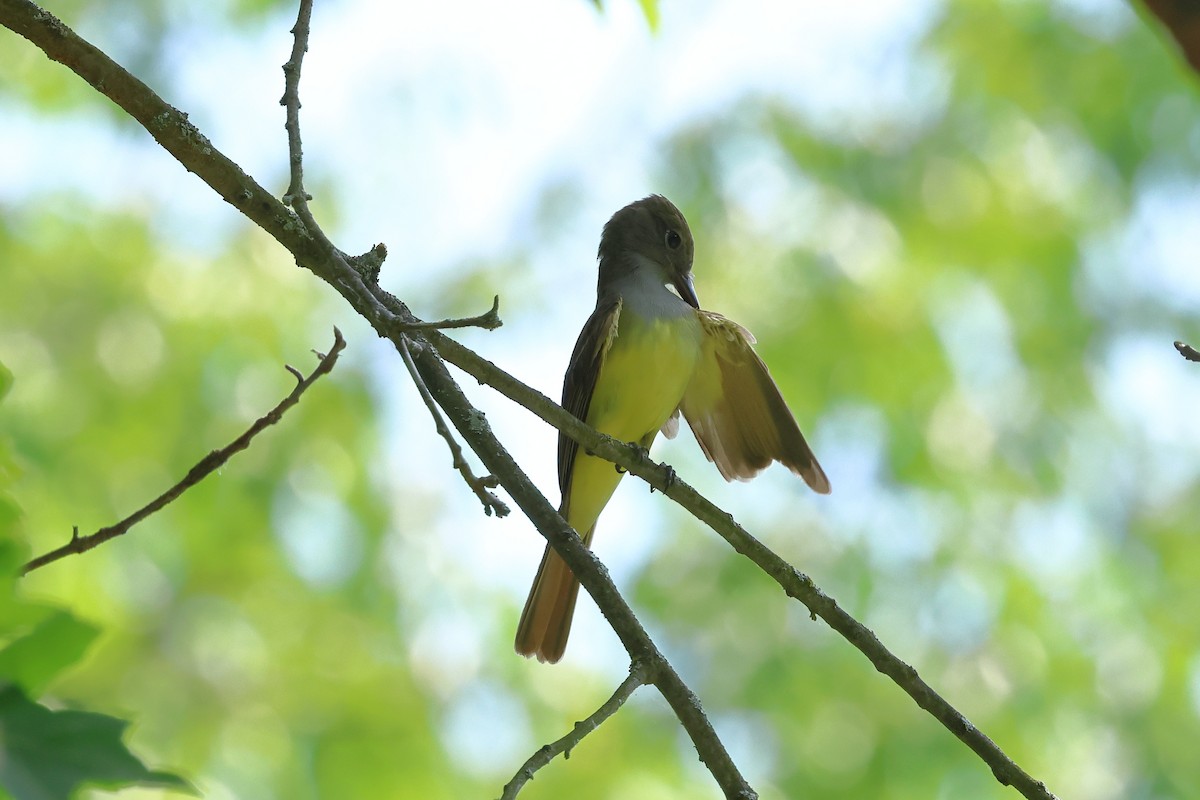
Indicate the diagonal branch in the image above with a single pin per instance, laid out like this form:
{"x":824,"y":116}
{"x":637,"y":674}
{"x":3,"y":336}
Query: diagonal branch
{"x":205,"y":467}
{"x":795,"y":583}
{"x":588,"y":569}
{"x":637,"y":678}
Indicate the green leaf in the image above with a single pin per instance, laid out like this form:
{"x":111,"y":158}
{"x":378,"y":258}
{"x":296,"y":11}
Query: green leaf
{"x":47,"y":755}
{"x":6,"y":381}
{"x":15,"y":614}
{"x":12,"y":556}
{"x":33,"y":660}
{"x":10,"y":512}
{"x":650,"y":10}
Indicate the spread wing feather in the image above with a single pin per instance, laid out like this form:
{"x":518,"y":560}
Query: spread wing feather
{"x":737,"y":413}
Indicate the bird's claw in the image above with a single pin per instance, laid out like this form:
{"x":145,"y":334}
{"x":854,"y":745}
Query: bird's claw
{"x":668,"y":480}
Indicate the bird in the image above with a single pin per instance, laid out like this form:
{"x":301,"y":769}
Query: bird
{"x":648,"y":354}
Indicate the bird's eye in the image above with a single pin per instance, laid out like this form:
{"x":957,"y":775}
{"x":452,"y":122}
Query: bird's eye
{"x":674,"y":240}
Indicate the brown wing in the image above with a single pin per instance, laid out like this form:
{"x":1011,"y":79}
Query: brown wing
{"x":737,"y":413}
{"x":580,"y":382}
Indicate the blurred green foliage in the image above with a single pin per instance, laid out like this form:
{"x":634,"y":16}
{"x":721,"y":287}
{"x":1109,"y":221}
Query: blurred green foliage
{"x":48,"y":754}
{"x":945,"y":301}
{"x":1014,"y":551}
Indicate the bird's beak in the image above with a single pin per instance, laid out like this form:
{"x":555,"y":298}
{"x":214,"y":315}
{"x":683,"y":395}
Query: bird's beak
{"x":683,"y":284}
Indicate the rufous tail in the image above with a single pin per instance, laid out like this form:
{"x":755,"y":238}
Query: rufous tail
{"x":546,"y":621}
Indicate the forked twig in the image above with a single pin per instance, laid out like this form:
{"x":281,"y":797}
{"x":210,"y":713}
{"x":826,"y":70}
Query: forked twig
{"x":636,"y":679}
{"x":479,"y":486}
{"x":202,"y":469}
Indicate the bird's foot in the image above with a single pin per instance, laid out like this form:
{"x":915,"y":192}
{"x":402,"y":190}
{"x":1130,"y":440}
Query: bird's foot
{"x":668,"y":479}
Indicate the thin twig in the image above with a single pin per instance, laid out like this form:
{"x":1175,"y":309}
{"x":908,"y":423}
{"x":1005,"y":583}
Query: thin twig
{"x":479,"y":486}
{"x":296,"y":195}
{"x":488,"y":321}
{"x":1187,"y":351}
{"x":637,"y":678}
{"x":206,"y":466}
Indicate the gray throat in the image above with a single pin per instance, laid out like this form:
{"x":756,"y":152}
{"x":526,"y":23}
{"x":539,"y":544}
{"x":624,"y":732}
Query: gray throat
{"x":643,"y":291}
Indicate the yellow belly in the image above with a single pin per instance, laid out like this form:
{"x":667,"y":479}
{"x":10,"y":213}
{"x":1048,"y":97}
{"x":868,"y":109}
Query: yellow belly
{"x":641,"y":381}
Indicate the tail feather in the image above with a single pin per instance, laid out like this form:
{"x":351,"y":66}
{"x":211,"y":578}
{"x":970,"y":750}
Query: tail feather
{"x":546,"y":621}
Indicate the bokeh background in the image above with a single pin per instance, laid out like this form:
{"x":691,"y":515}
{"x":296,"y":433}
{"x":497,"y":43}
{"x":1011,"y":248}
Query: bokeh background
{"x":964,"y":234}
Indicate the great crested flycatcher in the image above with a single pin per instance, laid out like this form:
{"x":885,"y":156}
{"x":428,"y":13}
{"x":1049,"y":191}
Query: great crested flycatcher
{"x":645,"y":355}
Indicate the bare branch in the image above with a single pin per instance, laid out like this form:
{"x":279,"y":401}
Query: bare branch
{"x":203,"y":468}
{"x":798,"y":585}
{"x":1187,"y":351}
{"x":637,"y":678}
{"x":479,"y":486}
